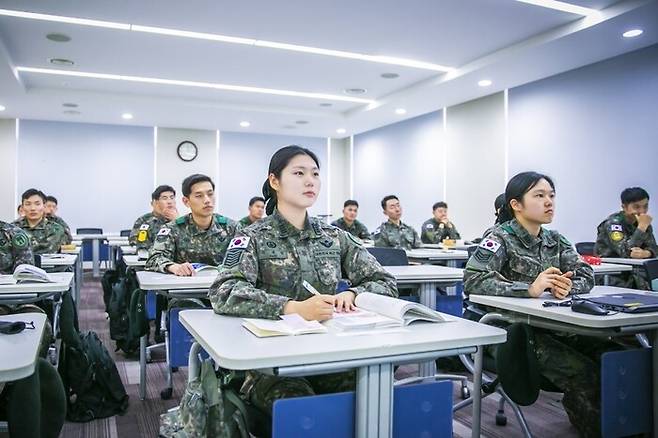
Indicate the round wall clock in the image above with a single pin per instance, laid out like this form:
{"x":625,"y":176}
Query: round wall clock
{"x":187,"y":151}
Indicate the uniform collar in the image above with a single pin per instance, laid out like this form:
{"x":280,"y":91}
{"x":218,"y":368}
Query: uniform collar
{"x":389,"y":222}
{"x":41,"y":224}
{"x":195,"y":228}
{"x":528,"y":239}
{"x":286,"y":229}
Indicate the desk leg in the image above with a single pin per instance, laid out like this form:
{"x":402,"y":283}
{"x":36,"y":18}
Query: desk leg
{"x":606,"y":280}
{"x":95,"y":255}
{"x":142,"y":367}
{"x":428,"y":298}
{"x":452,"y":290}
{"x":111,"y":256}
{"x":374,"y":401}
{"x":477,"y":392}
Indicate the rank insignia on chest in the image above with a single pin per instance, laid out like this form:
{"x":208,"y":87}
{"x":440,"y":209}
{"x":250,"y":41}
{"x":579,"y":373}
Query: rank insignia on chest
{"x":327,"y":242}
{"x":270,"y":244}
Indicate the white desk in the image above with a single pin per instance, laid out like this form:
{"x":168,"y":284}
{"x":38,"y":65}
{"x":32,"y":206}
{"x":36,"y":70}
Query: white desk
{"x":608,"y":269}
{"x":430,"y":255}
{"x":428,"y":278}
{"x":132,"y":261}
{"x":53,"y":260}
{"x":172,"y":286}
{"x":623,"y":261}
{"x":19,"y":352}
{"x":117,"y":247}
{"x":373,"y":356}
{"x":78,"y":264}
{"x":95,"y":249}
{"x":532,"y":312}
{"x":458,"y":246}
{"x":128,"y":250}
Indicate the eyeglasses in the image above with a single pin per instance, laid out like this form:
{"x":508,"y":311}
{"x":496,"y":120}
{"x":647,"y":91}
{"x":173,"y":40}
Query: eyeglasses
{"x":13,"y":327}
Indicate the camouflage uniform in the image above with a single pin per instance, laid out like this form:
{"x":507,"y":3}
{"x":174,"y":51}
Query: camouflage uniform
{"x":357,"y":229}
{"x":390,"y":235}
{"x":145,"y":229}
{"x":616,"y":236}
{"x":264,"y":269}
{"x":434,"y":232}
{"x":245,"y":222}
{"x":505,"y":264}
{"x":181,"y":241}
{"x":46,"y":237}
{"x":15,"y":248}
{"x":62,"y":222}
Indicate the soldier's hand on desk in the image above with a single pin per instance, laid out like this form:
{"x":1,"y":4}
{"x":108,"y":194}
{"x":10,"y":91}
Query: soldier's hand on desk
{"x":643,"y":221}
{"x":170,"y":213}
{"x":182,"y":270}
{"x":345,"y":301}
{"x":545,"y":280}
{"x":562,"y":285}
{"x":639,"y":253}
{"x":316,"y":308}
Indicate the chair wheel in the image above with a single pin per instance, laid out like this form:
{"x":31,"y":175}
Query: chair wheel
{"x":501,"y":419}
{"x":166,"y":393}
{"x":466,"y":393}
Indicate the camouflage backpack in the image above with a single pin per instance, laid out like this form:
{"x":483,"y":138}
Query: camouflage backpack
{"x":210,"y":408}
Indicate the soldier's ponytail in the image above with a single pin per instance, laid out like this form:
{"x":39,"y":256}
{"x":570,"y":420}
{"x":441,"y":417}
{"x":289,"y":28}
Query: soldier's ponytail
{"x":518,"y":186}
{"x":279,"y":161}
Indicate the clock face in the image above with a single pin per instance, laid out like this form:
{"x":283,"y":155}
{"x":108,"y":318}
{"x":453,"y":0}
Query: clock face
{"x":187,"y":151}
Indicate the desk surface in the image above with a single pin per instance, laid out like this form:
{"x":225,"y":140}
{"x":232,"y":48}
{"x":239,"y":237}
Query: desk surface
{"x":62,"y":283}
{"x":621,"y":261}
{"x":533,"y":306}
{"x":233,"y":347}
{"x":48,"y":260}
{"x":19,"y":352}
{"x":134,"y":261}
{"x":126,"y":249}
{"x":458,"y":246}
{"x":437,"y":254}
{"x":157,"y":281}
{"x":610,"y":268}
{"x":425,"y":273}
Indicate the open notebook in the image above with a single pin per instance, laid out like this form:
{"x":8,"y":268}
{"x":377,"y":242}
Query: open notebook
{"x":373,"y":311}
{"x":26,"y":274}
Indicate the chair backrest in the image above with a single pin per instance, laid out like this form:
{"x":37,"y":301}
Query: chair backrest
{"x":389,"y":256}
{"x":125,"y":233}
{"x":652,"y":272}
{"x":585,"y":248}
{"x":88,"y":231}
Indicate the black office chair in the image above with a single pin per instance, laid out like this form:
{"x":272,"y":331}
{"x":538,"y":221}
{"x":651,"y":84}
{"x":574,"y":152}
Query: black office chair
{"x":389,"y":256}
{"x":585,"y":248}
{"x":88,"y":231}
{"x":125,"y":233}
{"x":652,"y":273}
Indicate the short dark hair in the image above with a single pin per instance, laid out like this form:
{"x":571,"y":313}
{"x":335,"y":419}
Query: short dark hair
{"x":350,"y":202}
{"x":255,"y":199}
{"x":518,"y":186}
{"x":51,"y":198}
{"x":195,"y":179}
{"x":388,"y":198}
{"x":439,"y":204}
{"x":633,"y":194}
{"x":33,"y":192}
{"x":160,"y":190}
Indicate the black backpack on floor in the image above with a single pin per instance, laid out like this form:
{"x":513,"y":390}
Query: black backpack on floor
{"x":127,"y":313}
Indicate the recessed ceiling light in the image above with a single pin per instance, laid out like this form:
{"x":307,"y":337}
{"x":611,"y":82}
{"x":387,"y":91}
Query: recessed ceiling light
{"x":632,"y":33}
{"x":341,"y":130}
{"x":58,"y":37}
{"x":245,"y":124}
{"x":354,"y":91}
{"x":484,"y":83}
{"x":391,"y":60}
{"x":61,"y":62}
{"x":70,"y":105}
{"x":184,"y":83}
{"x":390,"y":75}
{"x":127,"y":116}
{"x":71,"y":112}
{"x":400,"y":111}
{"x":326,"y":104}
{"x":302,"y":122}
{"x":2,"y":108}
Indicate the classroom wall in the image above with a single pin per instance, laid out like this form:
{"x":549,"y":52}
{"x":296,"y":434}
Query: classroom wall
{"x":339,"y":176}
{"x":171,"y":170}
{"x":595,"y":131}
{"x":243,"y":165}
{"x":8,"y":152}
{"x":405,"y":159}
{"x":102,"y":175}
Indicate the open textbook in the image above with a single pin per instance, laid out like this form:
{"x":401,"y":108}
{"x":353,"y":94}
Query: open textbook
{"x":203,"y":269}
{"x":373,"y":311}
{"x":26,"y":274}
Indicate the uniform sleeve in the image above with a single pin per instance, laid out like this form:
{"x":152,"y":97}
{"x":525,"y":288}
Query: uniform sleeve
{"x":453,"y":233}
{"x":613,"y":243}
{"x":234,"y":292}
{"x":416,"y":243}
{"x":380,"y":238}
{"x":132,"y":239}
{"x":583,"y":274}
{"x":22,"y":249}
{"x":56,"y":239}
{"x":362,"y":269}
{"x":482,"y":275}
{"x":427,"y":235}
{"x":363,"y":232}
{"x":163,"y":250}
{"x":651,"y":242}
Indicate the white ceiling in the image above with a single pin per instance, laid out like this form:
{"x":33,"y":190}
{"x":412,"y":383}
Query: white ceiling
{"x":509,"y":42}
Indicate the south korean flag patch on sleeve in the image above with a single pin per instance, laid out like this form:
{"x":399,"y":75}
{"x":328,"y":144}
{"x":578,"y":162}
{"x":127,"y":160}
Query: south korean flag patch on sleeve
{"x":235,"y":250}
{"x":486,"y":250}
{"x":616,"y":227}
